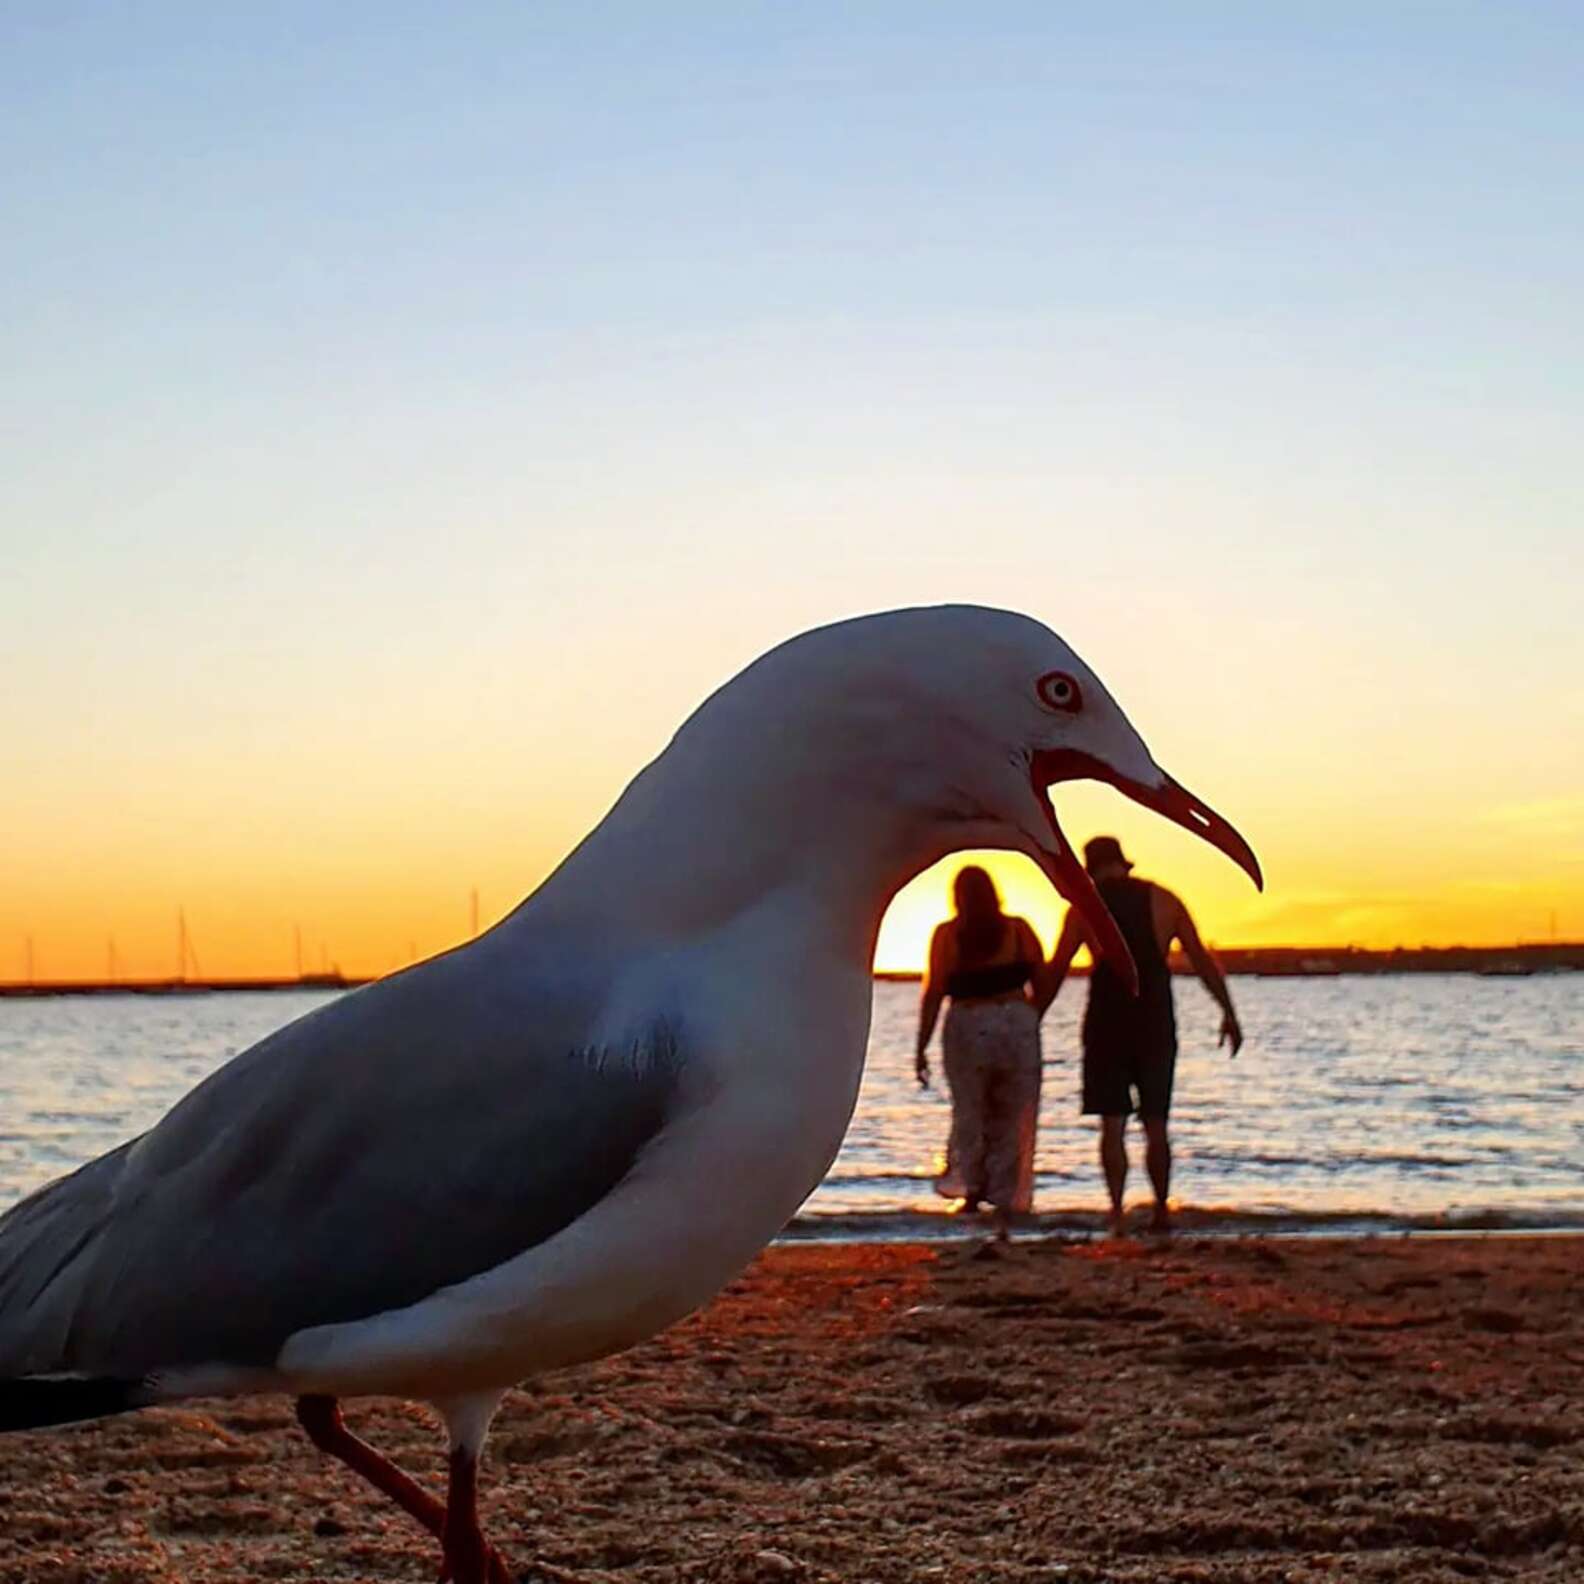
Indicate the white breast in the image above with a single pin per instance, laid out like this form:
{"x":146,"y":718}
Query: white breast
{"x":747,"y":1147}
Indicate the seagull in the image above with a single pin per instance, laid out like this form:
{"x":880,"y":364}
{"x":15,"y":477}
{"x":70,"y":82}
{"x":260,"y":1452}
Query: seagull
{"x":550,"y":1143}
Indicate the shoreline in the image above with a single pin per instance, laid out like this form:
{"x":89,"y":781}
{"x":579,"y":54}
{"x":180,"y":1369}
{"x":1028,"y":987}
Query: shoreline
{"x":886,"y":1228}
{"x":1200,"y":1411}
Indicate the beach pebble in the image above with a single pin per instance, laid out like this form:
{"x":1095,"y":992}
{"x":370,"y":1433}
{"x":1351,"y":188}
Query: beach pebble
{"x":776,"y":1562}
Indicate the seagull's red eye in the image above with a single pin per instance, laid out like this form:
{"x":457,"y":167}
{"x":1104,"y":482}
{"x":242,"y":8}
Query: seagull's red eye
{"x":1059,"y":691}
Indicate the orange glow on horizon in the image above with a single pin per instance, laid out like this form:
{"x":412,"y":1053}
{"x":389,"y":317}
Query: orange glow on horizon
{"x":95,"y":923}
{"x":368,"y":834}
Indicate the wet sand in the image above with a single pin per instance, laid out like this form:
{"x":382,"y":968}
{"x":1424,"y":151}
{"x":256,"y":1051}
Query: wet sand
{"x":1241,"y":1410}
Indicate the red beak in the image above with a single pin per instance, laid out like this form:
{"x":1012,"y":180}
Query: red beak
{"x":1071,"y":878}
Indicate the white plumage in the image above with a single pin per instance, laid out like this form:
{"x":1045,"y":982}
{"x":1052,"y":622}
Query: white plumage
{"x":554,"y":1141}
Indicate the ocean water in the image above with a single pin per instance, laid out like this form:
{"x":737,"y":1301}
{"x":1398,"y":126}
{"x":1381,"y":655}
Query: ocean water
{"x":1414,"y":1101}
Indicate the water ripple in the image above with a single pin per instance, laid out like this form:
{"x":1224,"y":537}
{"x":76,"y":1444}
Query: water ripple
{"x":1413,"y":1098}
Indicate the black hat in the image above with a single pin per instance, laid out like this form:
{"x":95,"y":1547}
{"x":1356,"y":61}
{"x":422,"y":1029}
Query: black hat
{"x":1103,"y":850}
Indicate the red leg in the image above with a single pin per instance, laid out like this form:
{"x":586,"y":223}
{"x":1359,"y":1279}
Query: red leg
{"x":321,"y":1418}
{"x":469,"y":1557}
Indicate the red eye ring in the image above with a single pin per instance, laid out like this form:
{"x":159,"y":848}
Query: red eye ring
{"x":1059,"y":691}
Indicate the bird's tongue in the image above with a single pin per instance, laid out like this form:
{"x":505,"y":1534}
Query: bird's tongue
{"x":1072,"y":880}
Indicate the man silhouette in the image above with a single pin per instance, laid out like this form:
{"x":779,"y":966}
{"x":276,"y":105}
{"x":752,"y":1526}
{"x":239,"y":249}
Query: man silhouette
{"x":1130,"y":1045}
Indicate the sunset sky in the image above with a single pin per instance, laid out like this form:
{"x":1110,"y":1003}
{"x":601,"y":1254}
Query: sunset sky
{"x":411,"y":414}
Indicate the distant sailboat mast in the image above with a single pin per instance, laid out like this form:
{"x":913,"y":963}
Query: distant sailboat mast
{"x":185,"y":950}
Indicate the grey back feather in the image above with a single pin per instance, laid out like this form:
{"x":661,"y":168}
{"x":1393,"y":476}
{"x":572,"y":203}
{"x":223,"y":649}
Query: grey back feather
{"x":398,"y":1141}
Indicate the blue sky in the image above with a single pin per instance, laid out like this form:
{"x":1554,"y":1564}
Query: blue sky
{"x":394,"y":382}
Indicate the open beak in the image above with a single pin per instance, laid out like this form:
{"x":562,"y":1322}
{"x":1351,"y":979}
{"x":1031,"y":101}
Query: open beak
{"x":1070,"y":877}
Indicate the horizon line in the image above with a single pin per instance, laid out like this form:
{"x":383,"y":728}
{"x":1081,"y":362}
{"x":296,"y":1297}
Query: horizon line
{"x":1314,"y":961}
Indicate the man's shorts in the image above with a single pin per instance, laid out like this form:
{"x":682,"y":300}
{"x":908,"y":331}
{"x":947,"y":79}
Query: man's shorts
{"x":1115,"y":1069}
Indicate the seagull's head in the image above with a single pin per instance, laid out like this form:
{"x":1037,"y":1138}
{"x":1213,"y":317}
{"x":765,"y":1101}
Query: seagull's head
{"x":1039,"y":716}
{"x":949,"y":726}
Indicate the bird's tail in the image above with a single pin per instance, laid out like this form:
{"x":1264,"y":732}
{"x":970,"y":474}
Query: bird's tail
{"x":38,"y":1400}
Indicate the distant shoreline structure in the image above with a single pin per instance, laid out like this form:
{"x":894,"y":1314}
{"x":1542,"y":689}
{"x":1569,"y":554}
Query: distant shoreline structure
{"x":1265,"y":962}
{"x":145,"y":987}
{"x":1327,"y":962}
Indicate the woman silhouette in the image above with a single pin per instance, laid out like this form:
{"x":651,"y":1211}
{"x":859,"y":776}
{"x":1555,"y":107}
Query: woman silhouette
{"x":992,"y":967}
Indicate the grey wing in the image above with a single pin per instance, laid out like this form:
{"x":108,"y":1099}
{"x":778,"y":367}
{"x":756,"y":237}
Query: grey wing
{"x":357,"y":1161}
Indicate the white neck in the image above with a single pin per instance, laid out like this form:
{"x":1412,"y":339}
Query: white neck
{"x":680,"y":856}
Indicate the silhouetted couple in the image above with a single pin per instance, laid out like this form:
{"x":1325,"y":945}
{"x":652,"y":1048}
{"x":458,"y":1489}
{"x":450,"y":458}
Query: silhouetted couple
{"x":991,"y":967}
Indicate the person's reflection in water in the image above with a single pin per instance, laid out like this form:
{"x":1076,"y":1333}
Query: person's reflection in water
{"x":992,"y":967}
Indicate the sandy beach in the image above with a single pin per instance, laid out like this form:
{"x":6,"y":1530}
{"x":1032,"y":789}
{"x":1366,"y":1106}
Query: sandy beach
{"x":1235,"y":1410}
